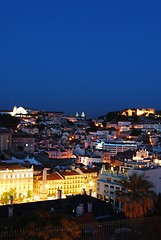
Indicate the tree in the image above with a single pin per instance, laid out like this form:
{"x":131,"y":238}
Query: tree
{"x":135,"y":132}
{"x":138,"y":197}
{"x":5,"y":197}
{"x":157,"y":211}
{"x":112,"y":115}
{"x":9,"y":121}
{"x":29,"y":193}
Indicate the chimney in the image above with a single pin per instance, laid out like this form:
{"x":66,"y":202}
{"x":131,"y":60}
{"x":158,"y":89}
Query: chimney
{"x":10,"y":207}
{"x":59,"y":194}
{"x":79,"y":210}
{"x":83,"y":191}
{"x":52,"y":210}
{"x":89,"y":207}
{"x":11,"y":200}
{"x":90,"y":192}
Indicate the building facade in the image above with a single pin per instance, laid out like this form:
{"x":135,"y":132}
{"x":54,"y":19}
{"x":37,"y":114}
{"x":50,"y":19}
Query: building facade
{"x":108,"y":184}
{"x":69,"y":182}
{"x":16,"y":177}
{"x":116,"y":146}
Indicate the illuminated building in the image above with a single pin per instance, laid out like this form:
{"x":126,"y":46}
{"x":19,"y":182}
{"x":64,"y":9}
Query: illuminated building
{"x":68,"y":182}
{"x":115,"y":146}
{"x":46,"y":185}
{"x":18,"y":111}
{"x":138,"y":111}
{"x":16,"y":177}
{"x":107,"y":184}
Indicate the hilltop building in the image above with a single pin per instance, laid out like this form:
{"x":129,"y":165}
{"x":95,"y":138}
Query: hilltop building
{"x":138,"y":111}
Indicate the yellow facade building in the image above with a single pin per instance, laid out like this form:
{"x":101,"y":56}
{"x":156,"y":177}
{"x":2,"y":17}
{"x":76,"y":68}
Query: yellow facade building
{"x":65,"y":183}
{"x":16,"y":177}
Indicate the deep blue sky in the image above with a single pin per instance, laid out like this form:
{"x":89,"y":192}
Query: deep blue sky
{"x":80,"y":55}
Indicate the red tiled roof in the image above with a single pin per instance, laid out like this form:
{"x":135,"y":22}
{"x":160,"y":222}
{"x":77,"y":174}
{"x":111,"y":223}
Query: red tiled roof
{"x":89,"y":170}
{"x":54,"y":176}
{"x":51,"y":176}
{"x":69,"y":173}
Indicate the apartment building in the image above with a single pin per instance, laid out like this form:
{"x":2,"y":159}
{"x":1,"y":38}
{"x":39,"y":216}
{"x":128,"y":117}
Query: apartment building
{"x":116,"y":146}
{"x":107,"y":184}
{"x":16,"y":177}
{"x":65,"y":183}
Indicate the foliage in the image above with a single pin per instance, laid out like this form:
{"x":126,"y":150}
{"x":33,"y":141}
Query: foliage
{"x":111,"y":115}
{"x":41,"y":126}
{"x":135,"y":132}
{"x":29,"y":193}
{"x":46,"y":222}
{"x":145,"y":138}
{"x":9,"y":121}
{"x":157,"y":210}
{"x":5,"y":197}
{"x":71,"y":230}
{"x":138,"y":198}
{"x":158,"y":112}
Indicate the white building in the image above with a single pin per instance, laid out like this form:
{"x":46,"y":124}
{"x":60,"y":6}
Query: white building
{"x":88,"y":161}
{"x":109,"y":181}
{"x":116,"y":146}
{"x":107,"y":184}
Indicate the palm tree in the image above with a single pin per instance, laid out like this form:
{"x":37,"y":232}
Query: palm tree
{"x":138,"y":198}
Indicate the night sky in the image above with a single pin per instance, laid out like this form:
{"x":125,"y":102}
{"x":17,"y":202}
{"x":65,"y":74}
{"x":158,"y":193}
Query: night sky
{"x":80,"y":55}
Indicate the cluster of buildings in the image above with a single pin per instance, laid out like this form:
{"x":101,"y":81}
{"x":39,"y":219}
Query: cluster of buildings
{"x":71,"y":157}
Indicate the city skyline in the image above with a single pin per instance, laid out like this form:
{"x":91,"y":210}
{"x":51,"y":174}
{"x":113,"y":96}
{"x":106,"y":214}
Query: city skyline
{"x":80,"y":56}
